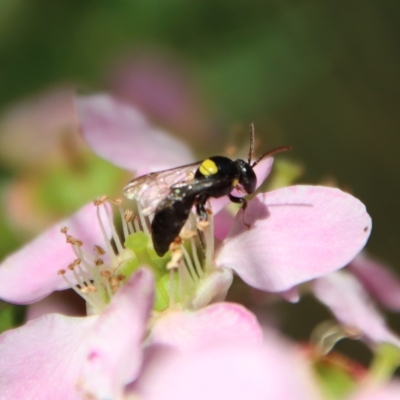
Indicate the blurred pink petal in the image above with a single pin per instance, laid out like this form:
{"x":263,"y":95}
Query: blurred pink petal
{"x":42,"y":359}
{"x":379,"y":279}
{"x":217,"y":323}
{"x":37,"y":127}
{"x":31,"y":273}
{"x":390,"y":391}
{"x":352,"y":307}
{"x":297,"y":233}
{"x":119,"y":133}
{"x":292,"y":295}
{"x":230,"y":371}
{"x":114,"y":355}
{"x":162,"y":88}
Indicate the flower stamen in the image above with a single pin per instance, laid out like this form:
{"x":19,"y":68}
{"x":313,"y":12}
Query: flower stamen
{"x":110,"y":249}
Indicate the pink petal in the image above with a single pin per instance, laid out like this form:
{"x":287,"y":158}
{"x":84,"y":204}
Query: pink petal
{"x":33,"y":129}
{"x":379,"y":279}
{"x":352,"y":306}
{"x":262,"y":170}
{"x":230,"y":371}
{"x":42,"y":359}
{"x":114,"y":355}
{"x":218,"y":323}
{"x":259,"y":297}
{"x":297,"y":233}
{"x":390,"y":391}
{"x":119,"y":133}
{"x":212,"y":288}
{"x":162,"y":87}
{"x":222,"y":224}
{"x":31,"y":273}
{"x":291,"y":295}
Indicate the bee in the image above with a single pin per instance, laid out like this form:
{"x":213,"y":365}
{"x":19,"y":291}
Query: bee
{"x":171,"y":194}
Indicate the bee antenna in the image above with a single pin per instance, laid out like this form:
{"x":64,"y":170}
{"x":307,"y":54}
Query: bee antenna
{"x":270,"y":153}
{"x":251,"y":149}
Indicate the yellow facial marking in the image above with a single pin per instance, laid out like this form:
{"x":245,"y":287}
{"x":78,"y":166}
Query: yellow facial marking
{"x":208,"y":167}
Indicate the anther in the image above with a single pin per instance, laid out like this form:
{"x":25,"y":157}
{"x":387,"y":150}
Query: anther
{"x":117,"y":201}
{"x":187,"y":234}
{"x":176,"y":257}
{"x":99,"y":250}
{"x":100,"y":201}
{"x":88,"y":289}
{"x":176,"y":244}
{"x":202,"y":225}
{"x":71,"y":240}
{"x":114,"y":283}
{"x":128,"y":215}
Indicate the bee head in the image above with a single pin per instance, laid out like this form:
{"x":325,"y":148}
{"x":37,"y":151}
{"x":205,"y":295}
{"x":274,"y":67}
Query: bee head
{"x":247,"y":177}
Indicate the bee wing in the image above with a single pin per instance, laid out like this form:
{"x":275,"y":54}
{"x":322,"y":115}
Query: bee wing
{"x":150,"y":189}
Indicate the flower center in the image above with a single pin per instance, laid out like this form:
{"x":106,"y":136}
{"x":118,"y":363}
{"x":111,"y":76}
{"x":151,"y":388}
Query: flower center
{"x":183,"y":275}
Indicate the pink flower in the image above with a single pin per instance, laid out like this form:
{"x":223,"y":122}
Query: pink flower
{"x":107,"y":356}
{"x":297,"y":233}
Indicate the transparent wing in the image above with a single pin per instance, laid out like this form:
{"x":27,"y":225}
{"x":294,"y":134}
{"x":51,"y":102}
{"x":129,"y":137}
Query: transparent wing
{"x":150,"y":189}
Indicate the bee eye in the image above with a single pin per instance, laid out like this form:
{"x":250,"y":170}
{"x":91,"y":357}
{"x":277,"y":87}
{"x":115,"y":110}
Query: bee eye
{"x":248,"y":179}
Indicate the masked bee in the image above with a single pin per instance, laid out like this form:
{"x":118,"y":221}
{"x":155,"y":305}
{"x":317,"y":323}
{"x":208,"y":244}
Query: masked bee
{"x":172,"y":193}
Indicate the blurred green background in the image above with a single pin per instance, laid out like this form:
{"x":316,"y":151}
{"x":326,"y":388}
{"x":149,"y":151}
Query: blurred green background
{"x":322,"y":76}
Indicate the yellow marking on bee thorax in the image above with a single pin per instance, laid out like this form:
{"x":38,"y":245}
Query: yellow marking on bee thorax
{"x":235,"y":182}
{"x":208,"y":167}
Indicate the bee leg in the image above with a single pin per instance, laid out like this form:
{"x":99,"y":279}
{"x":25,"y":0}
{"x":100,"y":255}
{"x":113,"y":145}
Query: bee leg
{"x":201,"y":207}
{"x":203,"y":216}
{"x":240,"y":200}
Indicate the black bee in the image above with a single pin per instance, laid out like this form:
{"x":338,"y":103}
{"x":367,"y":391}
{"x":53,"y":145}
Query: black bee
{"x":172,"y":193}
